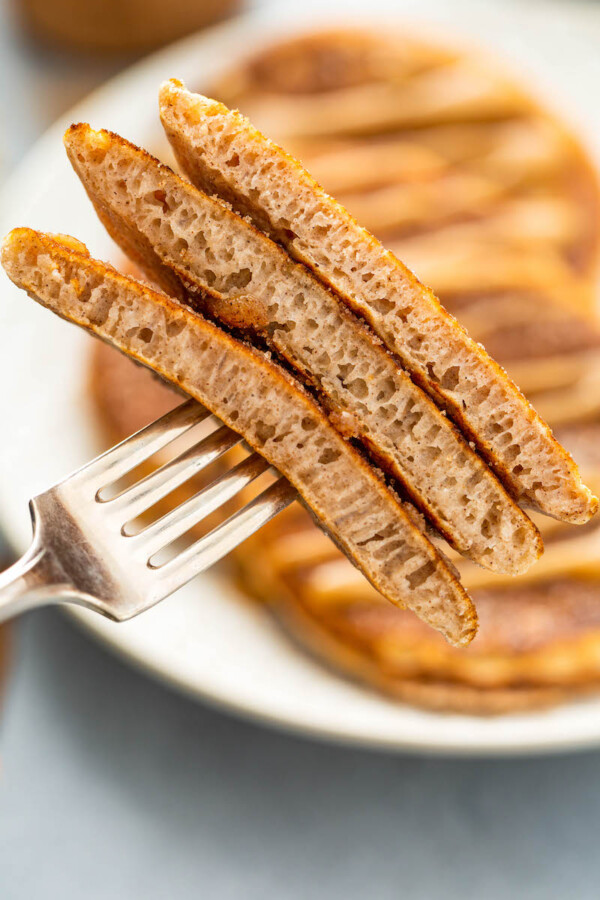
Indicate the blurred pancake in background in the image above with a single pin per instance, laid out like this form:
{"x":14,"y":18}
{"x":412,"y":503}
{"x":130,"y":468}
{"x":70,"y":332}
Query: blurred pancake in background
{"x":416,"y":141}
{"x":126,"y":396}
{"x":492,"y":202}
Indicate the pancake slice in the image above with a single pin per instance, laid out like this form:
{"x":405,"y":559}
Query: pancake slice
{"x":257,"y":399}
{"x":222,"y":153}
{"x":241,"y":277}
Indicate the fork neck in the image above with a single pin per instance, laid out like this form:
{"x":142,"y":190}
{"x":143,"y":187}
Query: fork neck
{"x":27,"y":583}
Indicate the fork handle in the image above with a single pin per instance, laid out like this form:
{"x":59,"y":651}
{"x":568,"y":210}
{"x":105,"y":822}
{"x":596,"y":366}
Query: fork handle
{"x":26,"y":584}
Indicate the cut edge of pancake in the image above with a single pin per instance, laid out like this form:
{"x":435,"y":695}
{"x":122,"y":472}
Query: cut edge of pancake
{"x":221,"y":152}
{"x":123,"y":181}
{"x":236,"y":382}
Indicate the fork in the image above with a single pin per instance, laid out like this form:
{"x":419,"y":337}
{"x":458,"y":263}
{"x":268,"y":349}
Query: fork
{"x":82,"y":551}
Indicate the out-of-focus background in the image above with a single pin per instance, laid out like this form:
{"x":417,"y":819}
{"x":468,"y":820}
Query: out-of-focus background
{"x":113,"y":785}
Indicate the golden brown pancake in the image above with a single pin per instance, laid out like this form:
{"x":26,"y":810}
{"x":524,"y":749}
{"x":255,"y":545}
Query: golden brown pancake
{"x":435,"y":694}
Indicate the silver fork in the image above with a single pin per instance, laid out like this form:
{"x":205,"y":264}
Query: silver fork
{"x":82,"y":552}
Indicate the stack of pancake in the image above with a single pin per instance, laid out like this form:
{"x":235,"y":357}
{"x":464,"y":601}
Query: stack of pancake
{"x":495,"y":206}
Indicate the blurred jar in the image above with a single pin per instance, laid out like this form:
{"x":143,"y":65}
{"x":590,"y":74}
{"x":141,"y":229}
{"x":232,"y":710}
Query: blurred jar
{"x":106,"y":26}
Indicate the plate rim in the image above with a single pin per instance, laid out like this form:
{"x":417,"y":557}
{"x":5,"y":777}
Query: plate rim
{"x":459,"y":749}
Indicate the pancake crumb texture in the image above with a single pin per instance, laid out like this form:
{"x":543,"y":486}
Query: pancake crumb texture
{"x":238,"y":275}
{"x":255,"y":398}
{"x":221,"y":152}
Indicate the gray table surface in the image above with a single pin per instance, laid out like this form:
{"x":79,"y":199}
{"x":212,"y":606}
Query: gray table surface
{"x":112,"y":786}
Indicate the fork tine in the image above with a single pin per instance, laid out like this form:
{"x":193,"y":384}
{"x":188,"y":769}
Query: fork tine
{"x":217,"y":543}
{"x":149,"y":490}
{"x":192,"y":511}
{"x":119,"y":460}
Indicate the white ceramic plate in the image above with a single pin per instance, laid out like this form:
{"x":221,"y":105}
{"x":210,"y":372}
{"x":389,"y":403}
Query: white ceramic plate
{"x":207,"y":640}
